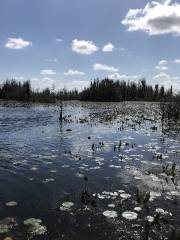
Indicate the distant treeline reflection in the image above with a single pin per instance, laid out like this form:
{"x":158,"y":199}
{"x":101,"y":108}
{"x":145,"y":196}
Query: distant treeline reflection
{"x":106,"y":91}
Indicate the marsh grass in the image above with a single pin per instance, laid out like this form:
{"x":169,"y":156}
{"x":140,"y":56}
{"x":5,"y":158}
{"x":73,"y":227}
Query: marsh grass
{"x":171,"y":110}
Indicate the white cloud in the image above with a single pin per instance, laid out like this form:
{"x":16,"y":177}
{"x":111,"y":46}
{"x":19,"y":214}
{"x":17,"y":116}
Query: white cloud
{"x":84,"y":47}
{"x":109,"y":47}
{"x":34,"y":79}
{"x":78,"y":84}
{"x":47,"y":82}
{"x":162,"y":76}
{"x":117,"y":76}
{"x":177,"y":61}
{"x":161,"y":68}
{"x":162,"y":65}
{"x":47,"y":79}
{"x":104,"y":67}
{"x":17,"y":43}
{"x":58,"y":40}
{"x":42,"y":83}
{"x":48,"y":72}
{"x":19,"y":78}
{"x":71,"y":72}
{"x":162,"y":62}
{"x":155,"y":18}
{"x":167,"y":81}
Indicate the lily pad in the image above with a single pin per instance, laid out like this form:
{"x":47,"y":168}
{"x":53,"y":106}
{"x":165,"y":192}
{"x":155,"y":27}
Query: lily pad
{"x":11,"y":204}
{"x":66,"y":206}
{"x":35,"y":227}
{"x":110,"y":214}
{"x":130,"y":215}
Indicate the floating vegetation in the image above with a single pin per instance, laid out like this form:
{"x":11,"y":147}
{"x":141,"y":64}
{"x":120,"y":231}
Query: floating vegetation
{"x":130,"y":215}
{"x":154,"y":195}
{"x":35,"y":227}
{"x":150,"y":219}
{"x":79,"y":175}
{"x":112,"y":205}
{"x":174,"y":193}
{"x":125,"y":195}
{"x":162,"y":212}
{"x":7,"y":224}
{"x":114,"y":166}
{"x":137,"y":209}
{"x":83,"y":120}
{"x":49,"y":180}
{"x":11,"y":204}
{"x":110,"y":214}
{"x":66,"y":206}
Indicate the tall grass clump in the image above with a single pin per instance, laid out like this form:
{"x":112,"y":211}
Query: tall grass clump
{"x":171,"y":109}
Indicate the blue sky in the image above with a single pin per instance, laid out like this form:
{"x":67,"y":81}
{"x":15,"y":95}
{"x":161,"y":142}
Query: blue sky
{"x":68,"y":43}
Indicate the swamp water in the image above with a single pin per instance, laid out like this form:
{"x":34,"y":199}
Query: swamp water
{"x":110,"y":171}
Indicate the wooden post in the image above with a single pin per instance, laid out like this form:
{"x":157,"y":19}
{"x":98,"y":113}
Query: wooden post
{"x":61,"y":111}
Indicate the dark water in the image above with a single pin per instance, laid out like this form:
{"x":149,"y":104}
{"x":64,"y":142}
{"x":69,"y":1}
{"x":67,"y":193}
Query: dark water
{"x":75,"y":177}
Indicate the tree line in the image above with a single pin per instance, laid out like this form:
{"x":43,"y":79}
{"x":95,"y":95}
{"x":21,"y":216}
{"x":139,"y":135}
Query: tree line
{"x":115,"y":91}
{"x":106,"y":90}
{"x":14,"y":90}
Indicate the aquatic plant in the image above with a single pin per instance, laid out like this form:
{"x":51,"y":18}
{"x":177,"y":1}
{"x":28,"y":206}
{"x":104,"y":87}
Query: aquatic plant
{"x":125,"y":196}
{"x":128,"y":215}
{"x":138,"y":196}
{"x":110,"y":214}
{"x":142,"y":198}
{"x":11,"y":204}
{"x":146,"y":198}
{"x":88,"y":199}
{"x":66,"y":206}
{"x":170,"y":171}
{"x":34,"y":226}
{"x":7,"y":224}
{"x":171,"y":109}
{"x":83,"y":120}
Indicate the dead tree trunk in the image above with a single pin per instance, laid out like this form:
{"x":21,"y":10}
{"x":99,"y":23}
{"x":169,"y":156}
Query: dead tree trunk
{"x":61,"y":111}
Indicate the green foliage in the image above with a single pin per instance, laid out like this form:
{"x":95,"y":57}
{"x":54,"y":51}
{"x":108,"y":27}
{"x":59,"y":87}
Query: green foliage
{"x":105,"y":91}
{"x":146,"y":198}
{"x":171,"y":109}
{"x":114,"y":91}
{"x":138,"y":197}
{"x":13,"y":90}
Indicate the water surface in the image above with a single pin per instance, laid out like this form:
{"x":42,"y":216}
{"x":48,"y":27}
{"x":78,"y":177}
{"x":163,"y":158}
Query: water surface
{"x":80,"y":177}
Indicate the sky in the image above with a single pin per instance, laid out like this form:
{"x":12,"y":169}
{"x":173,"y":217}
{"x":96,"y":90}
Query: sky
{"x":67,"y":43}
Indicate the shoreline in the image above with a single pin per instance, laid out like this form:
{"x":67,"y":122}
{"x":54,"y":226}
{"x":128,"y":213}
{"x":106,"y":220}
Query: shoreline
{"x":15,"y":103}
